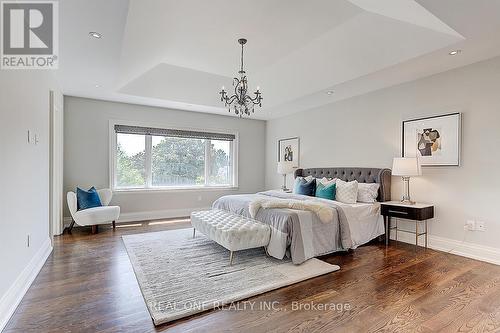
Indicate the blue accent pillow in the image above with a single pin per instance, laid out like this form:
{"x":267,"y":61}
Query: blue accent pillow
{"x":304,"y":187}
{"x":326,"y":192}
{"x":296,"y":183}
{"x":87,"y":199}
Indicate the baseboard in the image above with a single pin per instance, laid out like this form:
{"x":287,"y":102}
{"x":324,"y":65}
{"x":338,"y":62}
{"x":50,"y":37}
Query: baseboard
{"x":157,"y":214}
{"x":16,"y":292}
{"x":150,"y":215}
{"x":464,"y":249}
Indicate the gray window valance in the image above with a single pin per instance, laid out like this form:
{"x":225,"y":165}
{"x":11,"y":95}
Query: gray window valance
{"x":126,"y":129}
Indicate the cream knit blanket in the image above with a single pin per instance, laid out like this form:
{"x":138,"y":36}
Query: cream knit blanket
{"x":323,"y":211}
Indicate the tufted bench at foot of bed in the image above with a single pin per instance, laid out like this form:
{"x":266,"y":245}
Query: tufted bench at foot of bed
{"x":232,"y":231}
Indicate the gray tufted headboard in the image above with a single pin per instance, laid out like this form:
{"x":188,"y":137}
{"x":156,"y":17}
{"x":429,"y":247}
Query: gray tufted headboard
{"x":362,"y":175}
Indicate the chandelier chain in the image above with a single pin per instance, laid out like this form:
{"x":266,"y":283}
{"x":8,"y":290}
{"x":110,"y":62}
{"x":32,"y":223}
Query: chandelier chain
{"x":242,"y":71}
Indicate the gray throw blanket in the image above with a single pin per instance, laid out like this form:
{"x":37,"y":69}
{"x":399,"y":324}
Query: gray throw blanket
{"x":297,"y":233}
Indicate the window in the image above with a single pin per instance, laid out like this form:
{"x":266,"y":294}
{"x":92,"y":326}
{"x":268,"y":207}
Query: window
{"x":130,"y":160}
{"x":178,"y":161}
{"x":152,"y":158}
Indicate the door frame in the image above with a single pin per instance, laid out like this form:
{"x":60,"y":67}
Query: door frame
{"x":56,"y":147}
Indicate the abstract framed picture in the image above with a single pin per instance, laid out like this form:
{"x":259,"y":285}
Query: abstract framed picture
{"x":288,"y":150}
{"x":434,"y":140}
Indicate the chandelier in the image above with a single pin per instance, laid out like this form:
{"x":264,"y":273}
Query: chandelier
{"x":240,"y":102}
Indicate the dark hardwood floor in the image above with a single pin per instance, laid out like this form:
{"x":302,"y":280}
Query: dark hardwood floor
{"x":88,"y":285}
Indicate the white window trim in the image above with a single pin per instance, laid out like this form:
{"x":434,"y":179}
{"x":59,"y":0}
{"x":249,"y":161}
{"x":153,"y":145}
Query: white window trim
{"x":112,"y":160}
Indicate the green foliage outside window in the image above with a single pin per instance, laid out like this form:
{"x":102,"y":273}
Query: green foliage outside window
{"x":174,"y":162}
{"x":130,"y":169}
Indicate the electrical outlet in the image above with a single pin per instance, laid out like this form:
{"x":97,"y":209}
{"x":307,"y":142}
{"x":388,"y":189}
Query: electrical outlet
{"x":470,"y":225}
{"x":480,"y":226}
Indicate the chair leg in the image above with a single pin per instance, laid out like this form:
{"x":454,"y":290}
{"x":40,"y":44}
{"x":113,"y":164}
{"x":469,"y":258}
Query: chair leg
{"x":71,"y":226}
{"x":95,"y":229}
{"x":194,"y":232}
{"x":114,"y":224}
{"x":231,"y":259}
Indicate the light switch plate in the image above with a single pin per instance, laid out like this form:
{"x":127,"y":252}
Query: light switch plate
{"x":470,"y":225}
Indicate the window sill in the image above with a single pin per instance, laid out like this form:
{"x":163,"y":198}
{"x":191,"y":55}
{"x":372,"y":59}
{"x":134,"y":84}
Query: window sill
{"x":175,"y":189}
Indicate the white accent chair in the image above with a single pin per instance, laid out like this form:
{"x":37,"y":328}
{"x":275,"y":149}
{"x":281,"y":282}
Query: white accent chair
{"x":93,"y":216}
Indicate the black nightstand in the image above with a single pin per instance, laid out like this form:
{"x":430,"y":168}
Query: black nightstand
{"x":417,"y":212}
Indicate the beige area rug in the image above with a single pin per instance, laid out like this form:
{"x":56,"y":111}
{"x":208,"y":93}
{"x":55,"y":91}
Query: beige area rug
{"x":180,"y":276}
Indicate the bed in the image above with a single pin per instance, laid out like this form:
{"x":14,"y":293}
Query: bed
{"x":302,"y":234}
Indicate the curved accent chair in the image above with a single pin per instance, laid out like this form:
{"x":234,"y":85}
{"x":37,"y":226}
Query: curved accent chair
{"x":93,"y":216}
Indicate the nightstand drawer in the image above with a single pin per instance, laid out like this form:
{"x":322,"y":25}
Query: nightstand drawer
{"x":408,"y":212}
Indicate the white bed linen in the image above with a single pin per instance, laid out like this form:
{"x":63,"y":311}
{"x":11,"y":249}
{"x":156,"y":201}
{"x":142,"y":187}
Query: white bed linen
{"x":301,"y":233}
{"x":365,"y":221}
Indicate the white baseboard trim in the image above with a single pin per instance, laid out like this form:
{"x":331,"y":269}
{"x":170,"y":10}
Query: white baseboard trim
{"x":158,"y":214}
{"x":464,"y":249}
{"x":150,"y":215}
{"x":16,"y":292}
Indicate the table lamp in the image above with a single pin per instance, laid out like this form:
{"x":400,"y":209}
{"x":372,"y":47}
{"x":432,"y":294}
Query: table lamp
{"x":406,"y":167}
{"x":285,"y":168}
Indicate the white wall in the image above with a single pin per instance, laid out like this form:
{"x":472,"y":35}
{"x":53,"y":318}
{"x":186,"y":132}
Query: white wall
{"x":86,"y":156}
{"x":24,"y":168}
{"x":366,"y":131}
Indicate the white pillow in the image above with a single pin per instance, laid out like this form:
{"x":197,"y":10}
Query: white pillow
{"x":326,"y":181}
{"x":368,"y":192}
{"x":346,"y":192}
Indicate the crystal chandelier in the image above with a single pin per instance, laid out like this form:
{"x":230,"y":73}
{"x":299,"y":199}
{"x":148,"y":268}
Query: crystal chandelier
{"x":240,"y":102}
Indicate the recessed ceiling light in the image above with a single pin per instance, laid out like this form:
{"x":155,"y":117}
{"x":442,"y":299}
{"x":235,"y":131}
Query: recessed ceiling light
{"x":455,"y":52}
{"x":97,"y":86}
{"x":95,"y":34}
{"x":330,"y":92}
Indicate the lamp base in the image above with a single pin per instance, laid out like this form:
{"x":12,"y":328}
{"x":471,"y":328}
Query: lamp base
{"x":284,"y":188}
{"x":407,"y":202}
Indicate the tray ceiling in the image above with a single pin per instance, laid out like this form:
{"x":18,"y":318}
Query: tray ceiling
{"x":179,"y":53}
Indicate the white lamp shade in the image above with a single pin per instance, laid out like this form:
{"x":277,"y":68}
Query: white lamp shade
{"x":406,"y":167}
{"x":285,"y":168}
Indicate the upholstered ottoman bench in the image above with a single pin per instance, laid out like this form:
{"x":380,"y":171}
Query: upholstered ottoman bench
{"x":232,"y":231}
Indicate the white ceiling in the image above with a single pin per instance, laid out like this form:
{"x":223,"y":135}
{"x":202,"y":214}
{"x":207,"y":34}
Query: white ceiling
{"x":178,"y":54}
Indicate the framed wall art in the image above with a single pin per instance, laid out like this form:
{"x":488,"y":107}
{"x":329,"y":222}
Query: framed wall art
{"x":434,"y":140}
{"x":288,"y":151}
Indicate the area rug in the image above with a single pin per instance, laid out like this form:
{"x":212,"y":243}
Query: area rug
{"x":180,"y":276}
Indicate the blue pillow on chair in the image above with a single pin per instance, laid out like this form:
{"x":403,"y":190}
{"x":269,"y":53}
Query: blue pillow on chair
{"x":87,"y":199}
{"x":304,"y":187}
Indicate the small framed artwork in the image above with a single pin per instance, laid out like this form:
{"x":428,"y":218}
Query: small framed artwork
{"x":288,"y":151}
{"x":434,"y":140}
